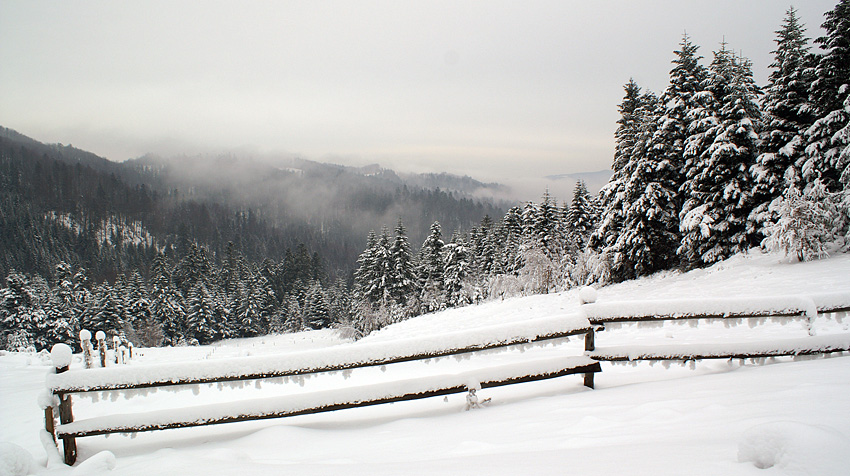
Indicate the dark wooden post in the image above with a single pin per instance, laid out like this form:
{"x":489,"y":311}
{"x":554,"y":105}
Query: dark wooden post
{"x":61,"y":355}
{"x":589,"y":345}
{"x":101,"y":347}
{"x":587,"y":295}
{"x":85,"y":343}
{"x":116,"y":342}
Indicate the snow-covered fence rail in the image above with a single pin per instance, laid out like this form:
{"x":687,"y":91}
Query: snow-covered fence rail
{"x":718,"y":308}
{"x":66,"y":382}
{"x":736,"y":309}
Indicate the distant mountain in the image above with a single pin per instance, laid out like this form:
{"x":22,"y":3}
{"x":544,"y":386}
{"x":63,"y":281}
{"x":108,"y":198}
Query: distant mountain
{"x":77,"y":206}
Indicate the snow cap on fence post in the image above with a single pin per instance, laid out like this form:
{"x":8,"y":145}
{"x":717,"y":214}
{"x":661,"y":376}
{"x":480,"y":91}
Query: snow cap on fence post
{"x":587,"y":295}
{"x":61,"y":355}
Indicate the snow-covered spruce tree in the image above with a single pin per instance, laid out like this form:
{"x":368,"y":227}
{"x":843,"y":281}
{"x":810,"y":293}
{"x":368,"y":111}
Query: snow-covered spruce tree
{"x":828,"y":138}
{"x":803,"y":225}
{"x":457,"y":262}
{"x":201,"y":325}
{"x":788,"y":113}
{"x":166,"y":302}
{"x":649,"y":236}
{"x":430,"y":271}
{"x":21,"y":322}
{"x":718,"y":156}
{"x":367,"y":279}
{"x":581,"y":216}
{"x":401,"y":282}
{"x":316,"y":308}
{"x":611,"y":195}
{"x":106,"y":314}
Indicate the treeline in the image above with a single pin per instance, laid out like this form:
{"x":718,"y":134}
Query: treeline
{"x":193,"y":301}
{"x":717,"y":165}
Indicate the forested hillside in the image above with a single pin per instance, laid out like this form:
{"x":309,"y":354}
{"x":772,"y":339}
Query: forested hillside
{"x":192,"y":251}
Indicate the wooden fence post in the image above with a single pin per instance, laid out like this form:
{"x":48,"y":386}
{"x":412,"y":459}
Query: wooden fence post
{"x":587,"y":295}
{"x":85,"y":343}
{"x":116,"y":342}
{"x":101,"y":347}
{"x":61,"y":355}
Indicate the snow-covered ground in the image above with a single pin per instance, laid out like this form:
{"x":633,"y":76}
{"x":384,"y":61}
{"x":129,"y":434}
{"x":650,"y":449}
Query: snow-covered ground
{"x":714,"y":417}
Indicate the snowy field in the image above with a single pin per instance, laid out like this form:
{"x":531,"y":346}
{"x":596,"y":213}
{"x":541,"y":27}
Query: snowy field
{"x":711,"y":418}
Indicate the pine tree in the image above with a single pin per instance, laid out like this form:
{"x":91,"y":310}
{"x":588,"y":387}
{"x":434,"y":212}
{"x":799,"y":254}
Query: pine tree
{"x":457,"y":262}
{"x":166,"y":304}
{"x":649,"y":236}
{"x":718,"y":155}
{"x":401,"y":282}
{"x":828,"y":139}
{"x":201,"y":316}
{"x":430,"y":270}
{"x":788,"y":113}
{"x":366,"y":277}
{"x":21,"y":322}
{"x":581,"y":217}
{"x":107,"y":313}
{"x":316,"y":308}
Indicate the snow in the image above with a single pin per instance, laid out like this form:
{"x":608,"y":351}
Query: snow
{"x":311,"y":360}
{"x":717,"y":306}
{"x":794,"y":447}
{"x":718,"y":417}
{"x":775,"y":347}
{"x":14,"y":460}
{"x":293,"y":404}
{"x":587,"y":295}
{"x":61,"y":354}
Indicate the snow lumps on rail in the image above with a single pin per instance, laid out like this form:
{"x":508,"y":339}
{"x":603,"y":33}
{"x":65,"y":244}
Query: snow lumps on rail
{"x":792,"y":305}
{"x":726,"y":350}
{"x":336,"y":358}
{"x":329,"y":400}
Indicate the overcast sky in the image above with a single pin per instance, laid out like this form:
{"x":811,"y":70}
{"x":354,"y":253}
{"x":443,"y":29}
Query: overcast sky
{"x":501,"y":91}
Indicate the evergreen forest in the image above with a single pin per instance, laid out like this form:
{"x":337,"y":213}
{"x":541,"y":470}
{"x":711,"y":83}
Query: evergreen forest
{"x":712,"y":166}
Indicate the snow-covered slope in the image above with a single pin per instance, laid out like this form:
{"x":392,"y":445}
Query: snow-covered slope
{"x":710,"y":418}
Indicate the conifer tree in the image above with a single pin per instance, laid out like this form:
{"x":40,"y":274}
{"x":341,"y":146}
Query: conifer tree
{"x":166,"y":303}
{"x":430,"y":270}
{"x":457,"y":262}
{"x":581,"y":217}
{"x":401,"y":282}
{"x":788,"y":113}
{"x":611,"y":195}
{"x":718,"y":157}
{"x":649,"y":236}
{"x":828,"y":139}
{"x":201,"y":326}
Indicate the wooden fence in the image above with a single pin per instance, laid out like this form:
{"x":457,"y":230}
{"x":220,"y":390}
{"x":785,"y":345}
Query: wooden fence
{"x":595,"y":316}
{"x":65,"y":383}
{"x":736,"y":309}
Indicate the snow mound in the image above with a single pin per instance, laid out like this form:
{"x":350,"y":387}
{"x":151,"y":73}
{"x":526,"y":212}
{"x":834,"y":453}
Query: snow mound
{"x":587,"y":295}
{"x":101,"y":462}
{"x":14,"y":460}
{"x":796,"y":448}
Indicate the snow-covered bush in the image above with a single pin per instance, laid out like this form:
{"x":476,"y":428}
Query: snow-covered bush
{"x":803,"y":228}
